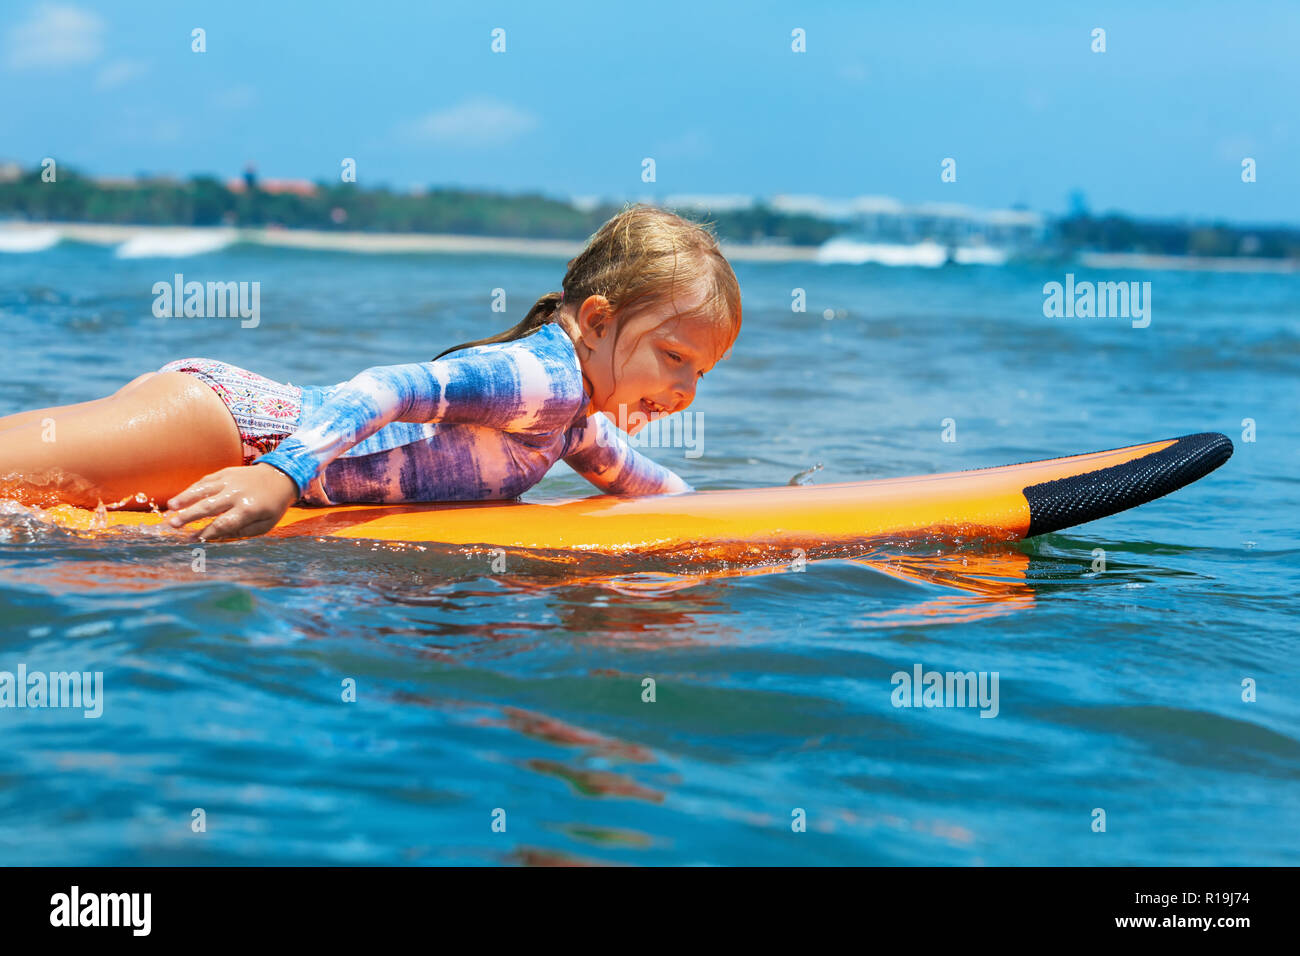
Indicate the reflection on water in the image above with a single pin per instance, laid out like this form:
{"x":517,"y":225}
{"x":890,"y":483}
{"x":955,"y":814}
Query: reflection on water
{"x":443,"y":608}
{"x":986,"y":584}
{"x":977,"y":582}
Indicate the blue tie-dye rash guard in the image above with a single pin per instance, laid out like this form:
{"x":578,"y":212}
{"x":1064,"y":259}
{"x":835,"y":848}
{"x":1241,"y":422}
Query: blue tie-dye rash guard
{"x":481,"y":423}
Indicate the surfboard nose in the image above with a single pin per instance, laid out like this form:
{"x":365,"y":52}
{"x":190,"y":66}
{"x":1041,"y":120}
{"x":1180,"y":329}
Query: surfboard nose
{"x":1095,"y":494}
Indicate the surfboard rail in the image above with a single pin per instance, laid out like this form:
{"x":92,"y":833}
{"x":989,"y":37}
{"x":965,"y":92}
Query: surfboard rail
{"x":1004,"y":502}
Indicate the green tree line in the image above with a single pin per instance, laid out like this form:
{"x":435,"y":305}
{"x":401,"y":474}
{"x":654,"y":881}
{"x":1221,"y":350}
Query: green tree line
{"x":206,"y":201}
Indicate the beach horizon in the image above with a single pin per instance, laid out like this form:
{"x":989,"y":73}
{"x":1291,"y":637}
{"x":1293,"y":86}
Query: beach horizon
{"x":28,"y":236}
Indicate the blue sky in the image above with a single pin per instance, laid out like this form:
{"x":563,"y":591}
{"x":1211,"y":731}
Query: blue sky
{"x":1157,"y":125}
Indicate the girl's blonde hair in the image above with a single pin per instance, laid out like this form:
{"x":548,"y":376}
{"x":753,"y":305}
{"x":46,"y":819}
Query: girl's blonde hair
{"x":641,"y":256}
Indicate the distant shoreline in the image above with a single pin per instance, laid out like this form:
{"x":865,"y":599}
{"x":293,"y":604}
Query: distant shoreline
{"x":374,"y":242}
{"x":387,"y":243}
{"x":1140,"y":260}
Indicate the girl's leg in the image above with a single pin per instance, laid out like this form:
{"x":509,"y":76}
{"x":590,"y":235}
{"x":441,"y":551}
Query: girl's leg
{"x":154,"y":437}
{"x":55,"y":411}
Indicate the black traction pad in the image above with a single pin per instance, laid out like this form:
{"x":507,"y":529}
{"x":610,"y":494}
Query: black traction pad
{"x":1095,"y":494}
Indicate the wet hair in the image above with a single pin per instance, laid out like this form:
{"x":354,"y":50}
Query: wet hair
{"x":641,"y":257}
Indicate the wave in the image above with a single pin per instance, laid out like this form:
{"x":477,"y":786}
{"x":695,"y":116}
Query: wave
{"x":28,"y":240}
{"x":928,"y":255}
{"x":171,"y":242}
{"x":980,"y":256}
{"x":173,"y":245}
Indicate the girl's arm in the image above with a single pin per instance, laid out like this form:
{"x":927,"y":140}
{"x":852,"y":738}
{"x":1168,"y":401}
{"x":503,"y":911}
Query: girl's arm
{"x":603,"y":456}
{"x":508,"y":388}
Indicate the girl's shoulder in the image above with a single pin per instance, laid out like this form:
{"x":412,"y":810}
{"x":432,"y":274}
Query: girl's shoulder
{"x":549,"y":336}
{"x":546,"y":373}
{"x":546,"y":338}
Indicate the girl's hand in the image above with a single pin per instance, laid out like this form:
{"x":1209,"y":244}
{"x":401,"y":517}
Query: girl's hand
{"x":249,"y":499}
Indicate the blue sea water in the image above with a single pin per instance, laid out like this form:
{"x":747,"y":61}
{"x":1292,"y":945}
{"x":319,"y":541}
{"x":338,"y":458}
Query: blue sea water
{"x":517,"y":697}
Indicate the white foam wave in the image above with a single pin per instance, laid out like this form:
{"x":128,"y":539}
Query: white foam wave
{"x":854,"y":252}
{"x":980,"y":256}
{"x":173,"y":245}
{"x":28,"y":240}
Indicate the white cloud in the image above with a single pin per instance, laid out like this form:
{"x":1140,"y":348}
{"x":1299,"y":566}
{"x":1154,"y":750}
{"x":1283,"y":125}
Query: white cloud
{"x":54,"y":35}
{"x":480,"y":121}
{"x":692,"y":144}
{"x":1036,"y":99}
{"x":118,"y":73}
{"x":1236,"y":147}
{"x":853,"y":72}
{"x":239,"y":97}
{"x":167,"y":131}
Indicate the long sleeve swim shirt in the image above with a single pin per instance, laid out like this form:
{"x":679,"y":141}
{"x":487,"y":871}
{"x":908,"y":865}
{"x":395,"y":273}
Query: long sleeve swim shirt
{"x":480,"y":423}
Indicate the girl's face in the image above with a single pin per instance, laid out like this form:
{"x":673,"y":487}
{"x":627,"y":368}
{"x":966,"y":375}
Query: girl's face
{"x":655,"y":366}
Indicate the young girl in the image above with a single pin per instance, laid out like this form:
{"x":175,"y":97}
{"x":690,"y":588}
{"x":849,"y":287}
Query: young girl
{"x":647,"y":308}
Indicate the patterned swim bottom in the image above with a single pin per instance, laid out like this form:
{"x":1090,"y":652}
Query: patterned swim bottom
{"x":265,"y":412}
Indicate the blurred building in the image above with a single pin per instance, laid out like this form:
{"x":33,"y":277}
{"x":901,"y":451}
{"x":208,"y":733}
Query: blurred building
{"x":296,"y":187}
{"x":885,"y":230}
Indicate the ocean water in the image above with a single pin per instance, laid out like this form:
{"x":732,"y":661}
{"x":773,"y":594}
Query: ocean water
{"x":516,"y":697}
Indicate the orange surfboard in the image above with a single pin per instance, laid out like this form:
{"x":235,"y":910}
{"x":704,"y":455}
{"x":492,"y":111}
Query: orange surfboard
{"x":1006,"y":503}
